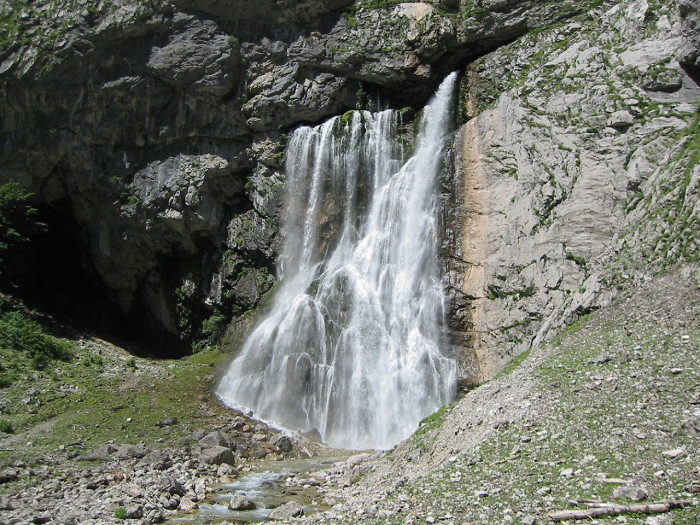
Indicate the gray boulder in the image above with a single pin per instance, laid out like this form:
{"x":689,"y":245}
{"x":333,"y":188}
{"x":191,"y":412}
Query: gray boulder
{"x":217,"y":455}
{"x":239,"y":502}
{"x":291,"y":509}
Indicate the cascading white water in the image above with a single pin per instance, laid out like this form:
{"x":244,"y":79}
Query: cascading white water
{"x":351,"y":346}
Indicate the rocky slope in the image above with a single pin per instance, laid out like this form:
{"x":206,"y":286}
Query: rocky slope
{"x":607,"y":412}
{"x":100,"y":431}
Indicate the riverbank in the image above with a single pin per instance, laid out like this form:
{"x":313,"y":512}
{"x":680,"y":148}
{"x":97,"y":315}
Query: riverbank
{"x":104,"y":436}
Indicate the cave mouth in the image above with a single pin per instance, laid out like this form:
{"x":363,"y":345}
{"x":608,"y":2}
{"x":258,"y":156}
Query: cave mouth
{"x":59,"y":279}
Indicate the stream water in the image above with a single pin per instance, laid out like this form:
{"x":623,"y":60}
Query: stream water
{"x":352,"y":346}
{"x":266,"y":487}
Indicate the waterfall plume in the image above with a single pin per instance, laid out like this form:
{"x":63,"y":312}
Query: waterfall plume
{"x":351,"y":347}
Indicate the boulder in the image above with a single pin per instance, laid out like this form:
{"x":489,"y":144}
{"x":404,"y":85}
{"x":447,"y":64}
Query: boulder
{"x":284,"y":443}
{"x":134,"y":512}
{"x":217,"y":455}
{"x":621,"y":119}
{"x":291,"y":509}
{"x":8,"y":475}
{"x":240,"y":502}
{"x":131,"y":451}
{"x":630,"y":492}
{"x":187,"y":505}
{"x":217,"y":439}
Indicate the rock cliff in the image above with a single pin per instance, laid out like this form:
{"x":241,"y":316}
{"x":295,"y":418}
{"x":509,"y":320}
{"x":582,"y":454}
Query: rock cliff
{"x":577,"y":172}
{"x":157,"y":129}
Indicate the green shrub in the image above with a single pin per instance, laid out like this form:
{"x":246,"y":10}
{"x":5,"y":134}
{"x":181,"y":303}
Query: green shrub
{"x":131,"y":362}
{"x":120,"y":513}
{"x":6,"y":426}
{"x":24,"y":334}
{"x":95,"y":360}
{"x":18,"y":221}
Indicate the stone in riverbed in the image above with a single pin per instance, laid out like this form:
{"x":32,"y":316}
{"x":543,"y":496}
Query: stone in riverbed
{"x":239,"y":502}
{"x":187,"y":505}
{"x":154,"y":516}
{"x":284,"y":443}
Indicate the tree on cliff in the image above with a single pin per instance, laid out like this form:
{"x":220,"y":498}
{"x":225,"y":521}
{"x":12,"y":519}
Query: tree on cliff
{"x":18,"y":222}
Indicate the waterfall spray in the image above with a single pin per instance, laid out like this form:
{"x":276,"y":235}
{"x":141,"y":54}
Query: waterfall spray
{"x":351,"y":346}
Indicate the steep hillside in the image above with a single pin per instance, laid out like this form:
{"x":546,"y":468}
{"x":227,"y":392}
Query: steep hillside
{"x":607,"y":412}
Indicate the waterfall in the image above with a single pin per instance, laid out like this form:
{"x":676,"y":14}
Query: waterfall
{"x":351,"y":345}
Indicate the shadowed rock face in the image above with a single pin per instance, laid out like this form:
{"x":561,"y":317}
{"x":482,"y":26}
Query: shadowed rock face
{"x":163,"y":125}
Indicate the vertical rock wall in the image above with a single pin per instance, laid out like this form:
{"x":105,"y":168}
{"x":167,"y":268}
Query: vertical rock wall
{"x":576,"y":174}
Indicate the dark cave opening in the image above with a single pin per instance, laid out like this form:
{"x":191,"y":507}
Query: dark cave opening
{"x":59,"y":279}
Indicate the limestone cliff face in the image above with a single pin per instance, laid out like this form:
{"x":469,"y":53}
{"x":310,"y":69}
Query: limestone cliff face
{"x":578,"y":172}
{"x":159,"y":128}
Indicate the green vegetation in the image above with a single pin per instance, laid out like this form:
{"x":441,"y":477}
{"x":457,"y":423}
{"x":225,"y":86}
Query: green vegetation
{"x":515,"y":363}
{"x":21,"y":334}
{"x":128,"y":199}
{"x":18,"y":221}
{"x":470,"y":9}
{"x":111,"y":403}
{"x":214,"y":325}
{"x":120,"y":513}
{"x":580,"y":261}
{"x":9,"y":23}
{"x":433,"y":421}
{"x":496,"y":292}
{"x":94,"y":360}
{"x":380,"y":4}
{"x":346,"y":118}
{"x":6,"y":426}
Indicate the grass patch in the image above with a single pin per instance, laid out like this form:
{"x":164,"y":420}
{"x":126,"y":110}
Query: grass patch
{"x":515,"y":363}
{"x":106,"y":401}
{"x":19,"y":333}
{"x":433,"y":421}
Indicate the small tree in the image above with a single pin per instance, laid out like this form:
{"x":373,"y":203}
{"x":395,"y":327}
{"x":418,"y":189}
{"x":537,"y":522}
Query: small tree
{"x":18,"y":221}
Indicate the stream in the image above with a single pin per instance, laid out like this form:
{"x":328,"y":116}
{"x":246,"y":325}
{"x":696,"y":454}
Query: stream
{"x":265,"y":486}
